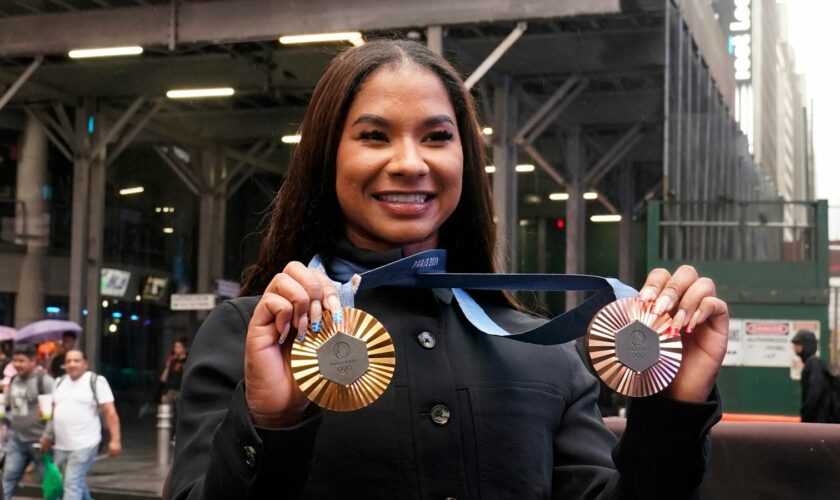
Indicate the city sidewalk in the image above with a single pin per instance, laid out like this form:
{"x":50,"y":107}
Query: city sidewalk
{"x":133,"y":475}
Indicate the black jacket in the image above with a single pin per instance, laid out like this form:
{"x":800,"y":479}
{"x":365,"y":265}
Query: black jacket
{"x":815,"y":384}
{"x":523,"y":421}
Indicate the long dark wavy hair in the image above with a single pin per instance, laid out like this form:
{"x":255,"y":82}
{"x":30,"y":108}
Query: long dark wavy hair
{"x":305,"y":214}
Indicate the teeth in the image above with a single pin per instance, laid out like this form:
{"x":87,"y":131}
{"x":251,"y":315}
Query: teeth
{"x":404,"y":198}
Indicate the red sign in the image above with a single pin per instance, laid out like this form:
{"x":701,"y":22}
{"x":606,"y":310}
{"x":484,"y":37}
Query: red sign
{"x":767,"y":328}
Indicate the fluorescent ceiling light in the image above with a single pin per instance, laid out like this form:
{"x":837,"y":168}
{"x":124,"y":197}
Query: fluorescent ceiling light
{"x":605,"y":218}
{"x":532,"y":199}
{"x":590,"y":195}
{"x":353,"y":37}
{"x":487,"y":131}
{"x":168,"y":230}
{"x":105,"y":52}
{"x":558,"y":196}
{"x":290,"y":139}
{"x":490,"y":169}
{"x":191,"y":93}
{"x":524,"y":168}
{"x":131,"y":190}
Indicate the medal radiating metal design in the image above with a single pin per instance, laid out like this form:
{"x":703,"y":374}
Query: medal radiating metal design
{"x":347,"y":365}
{"x":634,"y":351}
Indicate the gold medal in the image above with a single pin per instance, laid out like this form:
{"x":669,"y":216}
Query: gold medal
{"x":346,"y":365}
{"x":634,"y":351}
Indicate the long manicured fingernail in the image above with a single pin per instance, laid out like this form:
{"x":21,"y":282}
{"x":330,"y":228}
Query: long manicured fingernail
{"x":338,"y":316}
{"x":285,"y":333}
{"x":647,"y":294}
{"x":679,"y":320}
{"x":663,"y":303}
{"x":693,"y":322}
{"x":333,"y":303}
{"x":316,"y":310}
{"x":303,"y":325}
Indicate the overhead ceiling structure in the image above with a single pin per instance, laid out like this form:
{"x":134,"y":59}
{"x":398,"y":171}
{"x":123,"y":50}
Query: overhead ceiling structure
{"x":614,"y":53}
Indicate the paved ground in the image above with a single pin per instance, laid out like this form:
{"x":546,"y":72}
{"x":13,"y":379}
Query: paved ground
{"x":134,"y":475}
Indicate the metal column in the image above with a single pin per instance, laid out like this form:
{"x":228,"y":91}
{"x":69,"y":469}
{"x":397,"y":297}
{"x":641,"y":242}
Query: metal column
{"x":79,"y":235}
{"x":95,"y":247}
{"x":211,"y":225}
{"x":504,"y":180}
{"x":575,"y":210}
{"x":32,"y":223}
{"x":627,"y":203}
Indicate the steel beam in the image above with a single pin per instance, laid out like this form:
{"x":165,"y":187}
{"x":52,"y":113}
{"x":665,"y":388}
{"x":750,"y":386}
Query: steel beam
{"x":497,"y":54}
{"x":547,"y":106}
{"x":253,"y":20}
{"x":182,"y":171}
{"x":11,"y":91}
{"x":132,"y":134}
{"x":118,"y":126}
{"x":626,"y":248}
{"x":434,"y":39}
{"x":58,"y":143}
{"x":575,"y":211}
{"x":621,"y":147}
{"x":544,"y":164}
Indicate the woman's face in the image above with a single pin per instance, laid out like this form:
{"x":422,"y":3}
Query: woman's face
{"x":179,"y":349}
{"x":400,"y":163}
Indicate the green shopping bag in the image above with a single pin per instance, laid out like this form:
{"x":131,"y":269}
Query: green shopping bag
{"x":52,"y":485}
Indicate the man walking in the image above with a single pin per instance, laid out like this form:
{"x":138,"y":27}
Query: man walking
{"x":815,"y":383}
{"x":27,"y":425}
{"x":75,"y":431}
{"x":68,"y":342}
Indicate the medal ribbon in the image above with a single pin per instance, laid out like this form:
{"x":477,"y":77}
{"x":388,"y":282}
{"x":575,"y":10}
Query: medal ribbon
{"x":428,"y":270}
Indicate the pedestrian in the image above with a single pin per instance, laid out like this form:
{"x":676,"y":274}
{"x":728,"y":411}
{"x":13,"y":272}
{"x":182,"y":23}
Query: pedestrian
{"x":174,"y":371}
{"x":75,"y":432}
{"x":816,"y":386}
{"x":68,"y":342}
{"x":25,"y":414}
{"x":391,"y":163}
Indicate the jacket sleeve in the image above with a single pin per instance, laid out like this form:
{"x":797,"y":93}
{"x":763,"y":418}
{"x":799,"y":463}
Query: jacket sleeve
{"x":813,"y":390}
{"x":662,"y":453}
{"x":220,"y":454}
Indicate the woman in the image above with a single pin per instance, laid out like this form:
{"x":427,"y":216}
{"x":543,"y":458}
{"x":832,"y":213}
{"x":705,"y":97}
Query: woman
{"x":391,"y":163}
{"x":173,"y":372}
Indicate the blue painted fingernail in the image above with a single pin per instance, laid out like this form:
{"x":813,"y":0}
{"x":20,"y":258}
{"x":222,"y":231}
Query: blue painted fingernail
{"x":301,"y":337}
{"x":316,"y":326}
{"x":338,"y":317}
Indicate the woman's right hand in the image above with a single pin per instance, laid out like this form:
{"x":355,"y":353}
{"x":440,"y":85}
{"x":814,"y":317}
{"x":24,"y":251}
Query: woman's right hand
{"x":294,"y":297}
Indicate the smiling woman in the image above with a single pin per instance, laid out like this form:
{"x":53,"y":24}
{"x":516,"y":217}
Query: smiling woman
{"x":391,"y":163}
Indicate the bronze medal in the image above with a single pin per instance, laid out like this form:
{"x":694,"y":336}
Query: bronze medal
{"x":634,"y":351}
{"x":347,"y":365}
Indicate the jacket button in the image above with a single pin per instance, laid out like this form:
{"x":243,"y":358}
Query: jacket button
{"x":427,"y":340}
{"x":440,"y":415}
{"x":250,"y":456}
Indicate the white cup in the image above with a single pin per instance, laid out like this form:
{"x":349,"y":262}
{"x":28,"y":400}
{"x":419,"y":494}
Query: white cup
{"x":45,"y":404}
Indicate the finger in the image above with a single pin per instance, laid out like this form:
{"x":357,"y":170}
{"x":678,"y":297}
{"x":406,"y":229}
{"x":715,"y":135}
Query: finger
{"x":674,"y":288}
{"x":299,"y":294}
{"x":271,"y":320}
{"x":699,"y":290}
{"x":710,"y":309}
{"x":330,"y":294}
{"x":309,"y":280}
{"x":653,"y":285}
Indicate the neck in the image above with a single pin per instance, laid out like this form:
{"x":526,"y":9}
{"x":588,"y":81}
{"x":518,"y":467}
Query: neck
{"x":77,"y":376}
{"x":407,"y":249}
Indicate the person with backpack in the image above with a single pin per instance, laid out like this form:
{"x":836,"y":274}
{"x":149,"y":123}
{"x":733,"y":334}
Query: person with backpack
{"x":26,"y":423}
{"x":815,"y":381}
{"x":76,"y":431}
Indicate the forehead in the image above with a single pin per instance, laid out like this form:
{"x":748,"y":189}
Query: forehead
{"x":73,"y":355}
{"x":402,"y":90}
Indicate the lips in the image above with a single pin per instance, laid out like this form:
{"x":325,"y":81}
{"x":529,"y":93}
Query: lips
{"x":403,"y":197}
{"x":405,"y":204}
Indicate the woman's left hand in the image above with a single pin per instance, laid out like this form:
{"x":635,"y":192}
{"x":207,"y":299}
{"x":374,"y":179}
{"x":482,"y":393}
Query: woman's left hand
{"x":703,"y":321}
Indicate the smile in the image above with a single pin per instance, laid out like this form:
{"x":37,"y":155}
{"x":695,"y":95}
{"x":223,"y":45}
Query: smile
{"x":403,"y":197}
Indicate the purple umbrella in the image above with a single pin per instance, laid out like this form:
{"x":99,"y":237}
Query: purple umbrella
{"x":46,"y":329}
{"x":7,"y":333}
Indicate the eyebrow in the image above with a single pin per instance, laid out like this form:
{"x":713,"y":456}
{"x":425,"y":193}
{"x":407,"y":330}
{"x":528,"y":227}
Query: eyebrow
{"x":382,"y":122}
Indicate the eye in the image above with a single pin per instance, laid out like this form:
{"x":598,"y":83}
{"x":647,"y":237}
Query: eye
{"x":440,"y":136}
{"x":373,"y":135}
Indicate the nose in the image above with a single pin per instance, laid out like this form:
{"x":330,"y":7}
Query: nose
{"x":407,"y":159}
